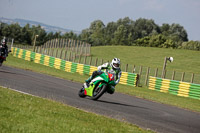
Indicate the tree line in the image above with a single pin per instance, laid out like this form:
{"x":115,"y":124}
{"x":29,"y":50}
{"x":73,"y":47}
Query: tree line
{"x":26,"y":34}
{"x":141,"y":32}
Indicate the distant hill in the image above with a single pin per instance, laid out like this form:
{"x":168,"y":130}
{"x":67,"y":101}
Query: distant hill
{"x":47,"y":28}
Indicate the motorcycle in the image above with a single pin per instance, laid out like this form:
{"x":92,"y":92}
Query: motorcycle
{"x":2,"y":55}
{"x":98,"y":86}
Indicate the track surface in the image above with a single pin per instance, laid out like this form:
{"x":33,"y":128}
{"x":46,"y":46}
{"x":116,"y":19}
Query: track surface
{"x":147,"y":114}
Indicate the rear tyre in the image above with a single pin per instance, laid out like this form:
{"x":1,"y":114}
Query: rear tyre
{"x":1,"y":62}
{"x":98,"y":92}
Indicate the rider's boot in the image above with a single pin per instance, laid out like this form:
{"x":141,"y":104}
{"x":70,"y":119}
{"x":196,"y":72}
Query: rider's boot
{"x":88,"y":80}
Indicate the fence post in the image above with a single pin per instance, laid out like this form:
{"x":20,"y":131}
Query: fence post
{"x":89,"y":48}
{"x":61,"y":54}
{"x":147,"y":76}
{"x":85,"y":60}
{"x":165,"y":73}
{"x":126,"y":68}
{"x":49,"y":49}
{"x":90,"y":60}
{"x":192,"y":78}
{"x":140,"y":75}
{"x":56,"y":53}
{"x":133,"y":70}
{"x":85,"y":48}
{"x":101,"y":61}
{"x":36,"y":49}
{"x":74,"y":57}
{"x":183,"y":75}
{"x":96,"y":61}
{"x":65,"y":55}
{"x":164,"y":67}
{"x":173,"y":75}
{"x":77,"y":46}
{"x":52,"y":52}
{"x":156,"y":72}
{"x":79,"y":58}
{"x":43,"y":48}
{"x":69,"y":56}
{"x":12,"y":43}
{"x":40,"y":49}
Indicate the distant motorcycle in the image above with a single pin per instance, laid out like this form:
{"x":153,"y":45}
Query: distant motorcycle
{"x":98,"y":86}
{"x":2,"y":55}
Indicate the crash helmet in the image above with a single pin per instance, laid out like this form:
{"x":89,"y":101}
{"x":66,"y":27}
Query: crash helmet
{"x":4,"y":41}
{"x":115,"y":63}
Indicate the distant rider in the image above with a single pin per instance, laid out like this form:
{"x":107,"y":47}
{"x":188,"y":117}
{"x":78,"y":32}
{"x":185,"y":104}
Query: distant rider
{"x":4,"y":46}
{"x":113,"y":68}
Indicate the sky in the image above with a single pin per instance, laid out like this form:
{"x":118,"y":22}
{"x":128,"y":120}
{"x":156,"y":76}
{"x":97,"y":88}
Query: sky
{"x":78,"y":14}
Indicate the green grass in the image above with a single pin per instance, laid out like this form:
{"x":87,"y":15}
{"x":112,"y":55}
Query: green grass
{"x":184,"y":60}
{"x":20,"y":113}
{"x":182,"y":102}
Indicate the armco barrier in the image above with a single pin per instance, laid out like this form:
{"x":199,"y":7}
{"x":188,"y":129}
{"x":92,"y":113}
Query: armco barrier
{"x":175,"y":87}
{"x":126,"y":78}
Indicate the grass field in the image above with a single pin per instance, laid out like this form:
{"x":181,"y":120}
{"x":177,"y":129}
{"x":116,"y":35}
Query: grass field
{"x":141,"y":92}
{"x":184,"y":60}
{"x":20,"y":113}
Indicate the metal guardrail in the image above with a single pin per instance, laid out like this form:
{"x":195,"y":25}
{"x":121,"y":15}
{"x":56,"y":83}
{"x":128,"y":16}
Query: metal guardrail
{"x":179,"y":88}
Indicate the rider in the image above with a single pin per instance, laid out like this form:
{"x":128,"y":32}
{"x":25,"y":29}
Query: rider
{"x":4,"y":45}
{"x":113,"y":68}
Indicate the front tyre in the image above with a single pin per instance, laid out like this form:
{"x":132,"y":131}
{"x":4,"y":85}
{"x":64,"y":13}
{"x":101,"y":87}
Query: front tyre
{"x":81,"y":93}
{"x":98,"y":92}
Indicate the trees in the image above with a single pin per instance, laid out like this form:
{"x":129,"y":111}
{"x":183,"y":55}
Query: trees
{"x":120,"y":36}
{"x":26,"y":34}
{"x":97,"y":30}
{"x":142,"y":32}
{"x":159,"y":40}
{"x":144,"y":27}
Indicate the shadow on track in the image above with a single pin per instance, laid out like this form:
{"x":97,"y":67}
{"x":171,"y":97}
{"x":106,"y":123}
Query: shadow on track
{"x":121,"y":104}
{"x":8,"y":72}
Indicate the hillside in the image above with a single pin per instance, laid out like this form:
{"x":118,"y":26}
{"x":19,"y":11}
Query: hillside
{"x":184,"y":60}
{"x":47,"y":28}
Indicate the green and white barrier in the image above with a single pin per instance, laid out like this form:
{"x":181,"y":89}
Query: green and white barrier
{"x":175,"y":87}
{"x":126,"y":78}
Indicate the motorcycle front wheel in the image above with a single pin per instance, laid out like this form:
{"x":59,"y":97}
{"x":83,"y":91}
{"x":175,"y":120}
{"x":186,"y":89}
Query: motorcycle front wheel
{"x":98,"y":92}
{"x":81,"y":92}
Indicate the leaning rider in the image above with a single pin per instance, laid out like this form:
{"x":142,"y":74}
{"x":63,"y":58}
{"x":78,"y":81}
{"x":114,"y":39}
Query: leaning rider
{"x":113,"y":68}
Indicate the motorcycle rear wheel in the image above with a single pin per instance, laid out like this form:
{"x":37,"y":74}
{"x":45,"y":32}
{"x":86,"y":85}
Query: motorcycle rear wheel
{"x":1,"y":62}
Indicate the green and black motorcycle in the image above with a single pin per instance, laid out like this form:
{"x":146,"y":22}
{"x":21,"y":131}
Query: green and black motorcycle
{"x":98,"y":86}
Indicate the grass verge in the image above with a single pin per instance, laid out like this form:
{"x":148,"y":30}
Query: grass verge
{"x":25,"y":113}
{"x":165,"y":98}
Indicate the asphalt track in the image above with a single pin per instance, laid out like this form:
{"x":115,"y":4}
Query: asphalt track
{"x":146,"y":114}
